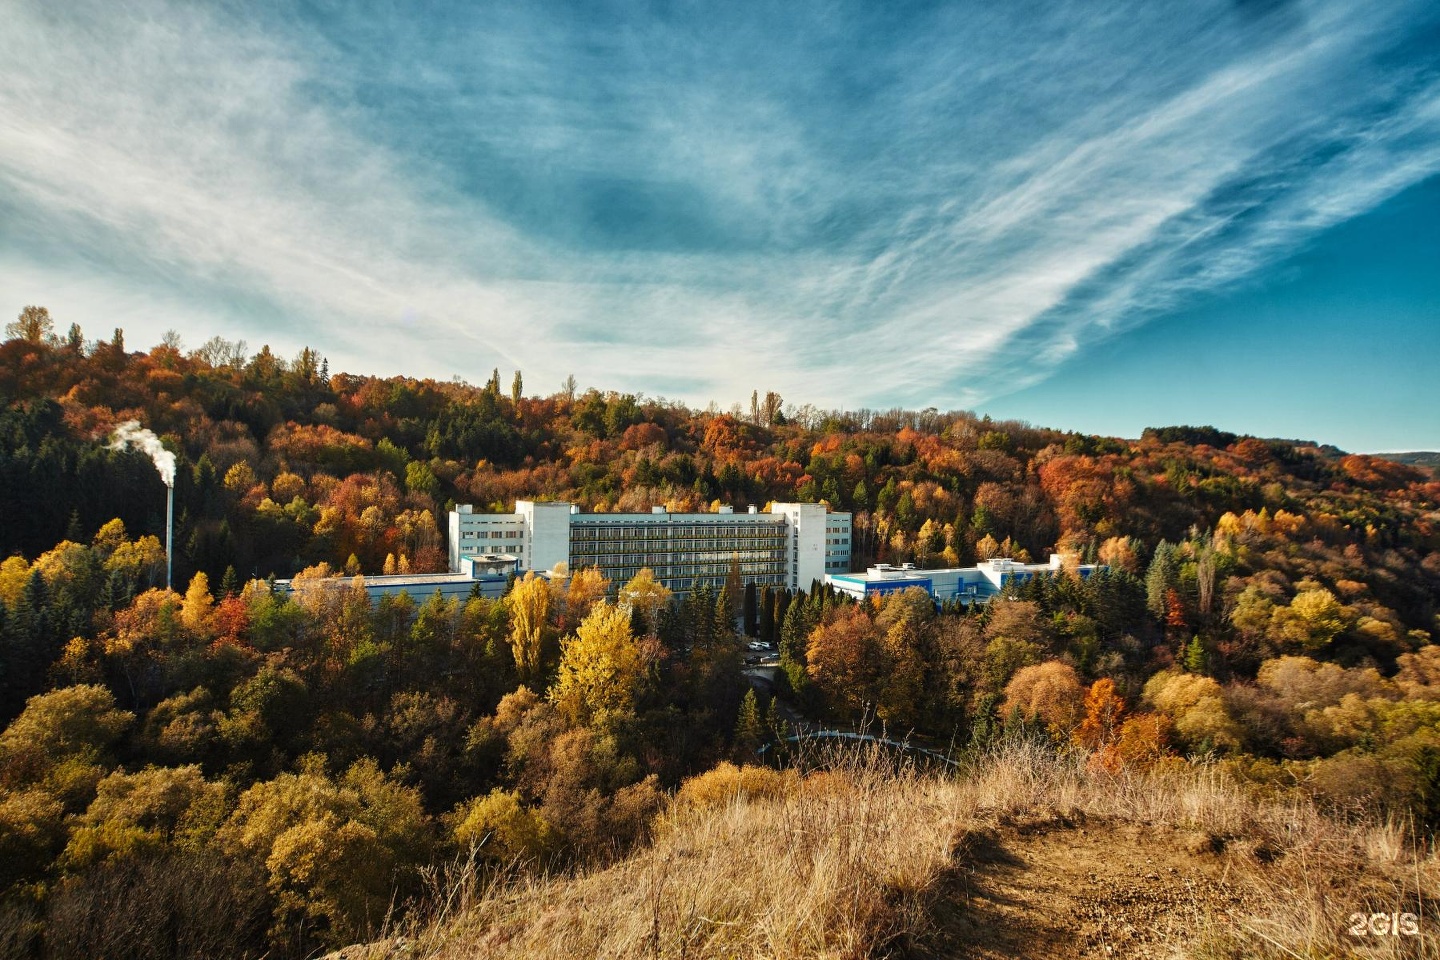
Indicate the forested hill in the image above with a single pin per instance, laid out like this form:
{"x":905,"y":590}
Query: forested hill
{"x":234,"y":771}
{"x":1424,"y":459}
{"x":282,"y":465}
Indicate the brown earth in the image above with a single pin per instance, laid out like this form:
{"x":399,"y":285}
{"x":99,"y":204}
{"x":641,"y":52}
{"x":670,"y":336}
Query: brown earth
{"x":1074,"y":886}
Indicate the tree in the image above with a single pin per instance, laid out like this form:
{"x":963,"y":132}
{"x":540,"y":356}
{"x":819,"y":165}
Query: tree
{"x":733,"y":595}
{"x":848,"y":661}
{"x":517,"y":389}
{"x":773,"y":403}
{"x":332,"y":850}
{"x":1161,"y":578}
{"x":502,"y":830}
{"x":33,"y":326}
{"x":1049,"y":692}
{"x":135,"y":813}
{"x":1015,"y":638}
{"x":1312,"y":620}
{"x":600,"y":668}
{"x":749,"y":726}
{"x":750,"y":614}
{"x":646,"y":596}
{"x":1103,"y":712}
{"x":197,"y":612}
{"x":419,"y":478}
{"x":583,"y":590}
{"x":1196,"y":706}
{"x":529,"y":608}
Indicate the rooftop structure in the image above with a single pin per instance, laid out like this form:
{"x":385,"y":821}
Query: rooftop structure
{"x":969,"y":584}
{"x":791,"y":545}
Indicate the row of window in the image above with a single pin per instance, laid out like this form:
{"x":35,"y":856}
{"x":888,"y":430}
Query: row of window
{"x":758,"y":547}
{"x":747,"y":564}
{"x":670,"y":531}
{"x":681,"y":576}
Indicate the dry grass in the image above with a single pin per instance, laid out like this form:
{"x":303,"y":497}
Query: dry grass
{"x":849,"y":863}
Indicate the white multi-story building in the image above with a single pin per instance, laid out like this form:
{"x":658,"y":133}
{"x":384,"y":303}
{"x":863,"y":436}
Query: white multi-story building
{"x":792,"y":545}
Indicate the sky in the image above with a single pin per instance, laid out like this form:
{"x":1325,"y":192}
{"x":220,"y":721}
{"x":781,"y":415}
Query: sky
{"x":1091,"y":216}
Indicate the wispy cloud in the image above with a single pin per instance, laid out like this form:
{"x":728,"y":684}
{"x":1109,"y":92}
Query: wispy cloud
{"x":849,"y":205}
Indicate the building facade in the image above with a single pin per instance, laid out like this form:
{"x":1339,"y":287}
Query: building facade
{"x":485,"y":575}
{"x":968,"y":584}
{"x":791,"y":545}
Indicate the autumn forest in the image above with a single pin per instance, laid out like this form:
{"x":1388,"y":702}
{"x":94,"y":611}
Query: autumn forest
{"x":226,"y":770}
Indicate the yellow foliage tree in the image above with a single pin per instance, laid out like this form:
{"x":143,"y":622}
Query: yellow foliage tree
{"x":14,"y":573}
{"x":134,"y":812}
{"x":585,"y":587}
{"x":529,"y":607}
{"x":197,"y":613}
{"x":503,"y":830}
{"x":1312,"y":620}
{"x":600,"y":667}
{"x":1196,"y":705}
{"x":647,"y":595}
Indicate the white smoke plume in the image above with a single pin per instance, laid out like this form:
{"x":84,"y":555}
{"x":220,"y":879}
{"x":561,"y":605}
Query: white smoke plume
{"x":131,"y":434}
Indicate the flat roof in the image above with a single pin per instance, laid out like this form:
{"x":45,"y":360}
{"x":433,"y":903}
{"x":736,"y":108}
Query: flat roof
{"x":403,"y":579}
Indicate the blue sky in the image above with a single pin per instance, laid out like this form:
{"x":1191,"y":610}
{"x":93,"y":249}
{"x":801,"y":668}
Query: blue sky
{"x":1093,"y":216}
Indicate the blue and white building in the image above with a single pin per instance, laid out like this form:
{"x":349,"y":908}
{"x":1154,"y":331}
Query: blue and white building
{"x":968,"y":584}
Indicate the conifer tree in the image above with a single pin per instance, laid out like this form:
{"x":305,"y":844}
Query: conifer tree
{"x":767,"y":616}
{"x":752,"y":626}
{"x":749,"y":727}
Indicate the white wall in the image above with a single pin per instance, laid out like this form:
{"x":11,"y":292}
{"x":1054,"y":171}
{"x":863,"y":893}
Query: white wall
{"x":547,"y":533}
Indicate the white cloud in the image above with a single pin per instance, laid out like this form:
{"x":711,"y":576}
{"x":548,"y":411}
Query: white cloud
{"x":915,"y":240}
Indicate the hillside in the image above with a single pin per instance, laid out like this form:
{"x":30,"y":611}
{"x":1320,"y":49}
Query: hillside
{"x":230,"y":770}
{"x":1424,"y":459}
{"x":1029,"y":855}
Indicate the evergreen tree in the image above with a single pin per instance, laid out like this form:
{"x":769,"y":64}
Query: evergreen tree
{"x":734,"y":591}
{"x":749,"y":727}
{"x":230,"y":582}
{"x":767,"y":615}
{"x":751,"y":614}
{"x":1162,"y":575}
{"x":1195,"y":659}
{"x":985,"y":727}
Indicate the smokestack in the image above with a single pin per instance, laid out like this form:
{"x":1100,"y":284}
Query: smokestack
{"x":169,"y":531}
{"x":131,"y":434}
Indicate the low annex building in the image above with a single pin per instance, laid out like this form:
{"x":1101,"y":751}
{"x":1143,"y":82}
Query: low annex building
{"x":484,"y":576}
{"x":791,"y":545}
{"x":968,"y":584}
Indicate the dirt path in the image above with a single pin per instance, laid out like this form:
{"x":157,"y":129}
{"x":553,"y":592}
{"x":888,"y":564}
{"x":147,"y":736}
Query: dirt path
{"x":1062,"y":888}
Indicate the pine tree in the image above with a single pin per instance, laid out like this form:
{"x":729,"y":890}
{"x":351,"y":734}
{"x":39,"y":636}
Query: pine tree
{"x":1162,"y":575}
{"x":749,"y":727}
{"x":767,"y":616}
{"x":1196,"y":658}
